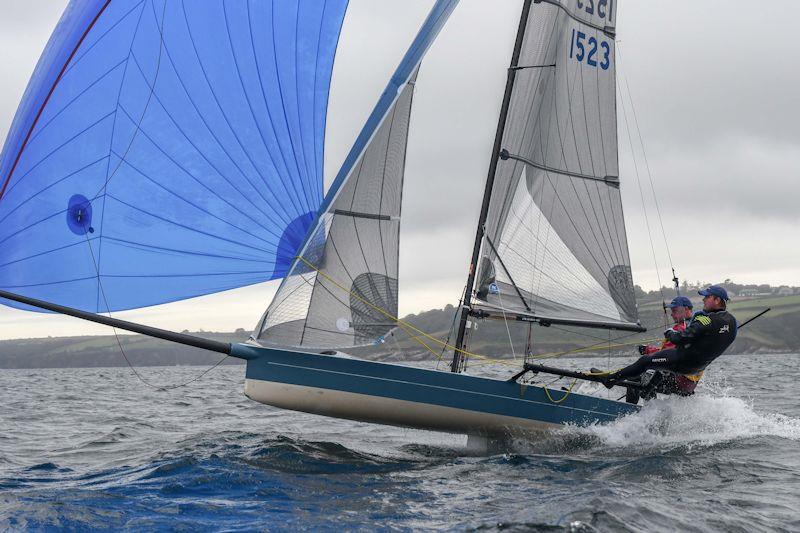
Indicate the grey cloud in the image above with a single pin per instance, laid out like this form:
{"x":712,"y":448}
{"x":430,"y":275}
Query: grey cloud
{"x":699,"y":70}
{"x":25,"y":28}
{"x":743,"y":176}
{"x":455,"y":106}
{"x":715,"y":100}
{"x":714,"y":84}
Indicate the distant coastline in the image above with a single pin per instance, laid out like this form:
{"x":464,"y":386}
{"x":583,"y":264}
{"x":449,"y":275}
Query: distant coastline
{"x":103,"y":351}
{"x":776,"y":332}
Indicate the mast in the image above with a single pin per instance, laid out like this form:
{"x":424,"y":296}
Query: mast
{"x":458,"y":359}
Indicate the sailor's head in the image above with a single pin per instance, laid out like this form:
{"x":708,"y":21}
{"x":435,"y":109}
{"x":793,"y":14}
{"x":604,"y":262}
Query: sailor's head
{"x":714,"y":298}
{"x":680,"y":308}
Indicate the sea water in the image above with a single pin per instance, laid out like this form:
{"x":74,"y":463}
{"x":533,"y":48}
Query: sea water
{"x":97,"y":449}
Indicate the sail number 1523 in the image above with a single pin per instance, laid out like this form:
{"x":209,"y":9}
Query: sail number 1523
{"x":591,"y":51}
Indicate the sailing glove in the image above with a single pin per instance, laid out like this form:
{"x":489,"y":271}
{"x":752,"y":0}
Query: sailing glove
{"x":642,"y":349}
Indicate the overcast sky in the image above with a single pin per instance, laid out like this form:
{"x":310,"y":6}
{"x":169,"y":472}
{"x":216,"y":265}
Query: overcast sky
{"x":714,"y":85}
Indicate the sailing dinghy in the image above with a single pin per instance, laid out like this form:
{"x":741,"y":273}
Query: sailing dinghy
{"x":165,"y":150}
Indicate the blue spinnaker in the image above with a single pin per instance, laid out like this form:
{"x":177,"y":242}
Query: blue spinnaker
{"x":166,"y":149}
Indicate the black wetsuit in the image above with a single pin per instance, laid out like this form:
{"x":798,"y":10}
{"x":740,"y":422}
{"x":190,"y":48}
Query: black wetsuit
{"x":708,"y":335}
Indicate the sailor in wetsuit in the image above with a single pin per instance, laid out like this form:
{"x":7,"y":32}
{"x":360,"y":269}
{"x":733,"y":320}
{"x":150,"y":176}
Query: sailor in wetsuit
{"x":706,"y":337}
{"x":684,"y":384}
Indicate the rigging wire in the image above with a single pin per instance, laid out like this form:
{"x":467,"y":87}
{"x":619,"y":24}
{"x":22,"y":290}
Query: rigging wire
{"x":419,"y":334}
{"x":122,"y":350}
{"x":644,"y":207}
{"x":646,"y":163}
{"x":529,"y":342}
{"x":505,"y":321}
{"x":450,"y":332}
{"x":582,"y":334}
{"x":608,"y":363}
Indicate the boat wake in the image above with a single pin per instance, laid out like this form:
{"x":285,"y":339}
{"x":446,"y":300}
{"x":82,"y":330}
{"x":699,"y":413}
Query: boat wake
{"x":701,"y":421}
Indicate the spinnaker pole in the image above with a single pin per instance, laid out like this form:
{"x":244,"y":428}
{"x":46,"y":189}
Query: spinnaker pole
{"x":458,"y":358}
{"x":180,"y":338}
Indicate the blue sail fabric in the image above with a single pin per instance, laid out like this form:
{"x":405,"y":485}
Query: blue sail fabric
{"x":166,"y":149}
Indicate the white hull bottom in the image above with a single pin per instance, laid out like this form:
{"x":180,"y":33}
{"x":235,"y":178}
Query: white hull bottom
{"x":391,"y":411}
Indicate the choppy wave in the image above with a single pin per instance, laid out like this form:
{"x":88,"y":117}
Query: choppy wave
{"x":669,"y":424}
{"x":699,"y":421}
{"x":98,"y":451}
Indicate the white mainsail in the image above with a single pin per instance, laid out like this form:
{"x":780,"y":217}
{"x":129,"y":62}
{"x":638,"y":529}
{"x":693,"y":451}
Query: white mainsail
{"x":554,"y":243}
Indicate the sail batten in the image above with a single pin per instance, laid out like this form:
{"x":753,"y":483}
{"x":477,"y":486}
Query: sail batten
{"x":609,"y":180}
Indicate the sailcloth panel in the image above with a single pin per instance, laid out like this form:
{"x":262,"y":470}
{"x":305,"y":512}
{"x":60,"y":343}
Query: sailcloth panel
{"x":166,"y":149}
{"x":342,"y":292}
{"x":555,"y":219}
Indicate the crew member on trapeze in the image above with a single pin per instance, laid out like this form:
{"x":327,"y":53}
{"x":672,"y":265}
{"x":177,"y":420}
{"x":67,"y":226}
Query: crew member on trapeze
{"x":707,"y":336}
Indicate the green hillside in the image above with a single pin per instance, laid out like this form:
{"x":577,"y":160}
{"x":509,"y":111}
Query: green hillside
{"x":778,"y":331}
{"x":103,"y":351}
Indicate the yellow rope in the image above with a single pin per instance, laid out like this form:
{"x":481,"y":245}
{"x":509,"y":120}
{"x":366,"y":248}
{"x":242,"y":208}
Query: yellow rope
{"x":569,"y":391}
{"x":592,"y":347}
{"x":414,"y":337}
{"x":389,"y":315}
{"x":405,"y":326}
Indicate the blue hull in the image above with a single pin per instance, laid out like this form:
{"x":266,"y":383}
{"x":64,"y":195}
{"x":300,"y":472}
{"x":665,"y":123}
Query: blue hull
{"x":412,"y":397}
